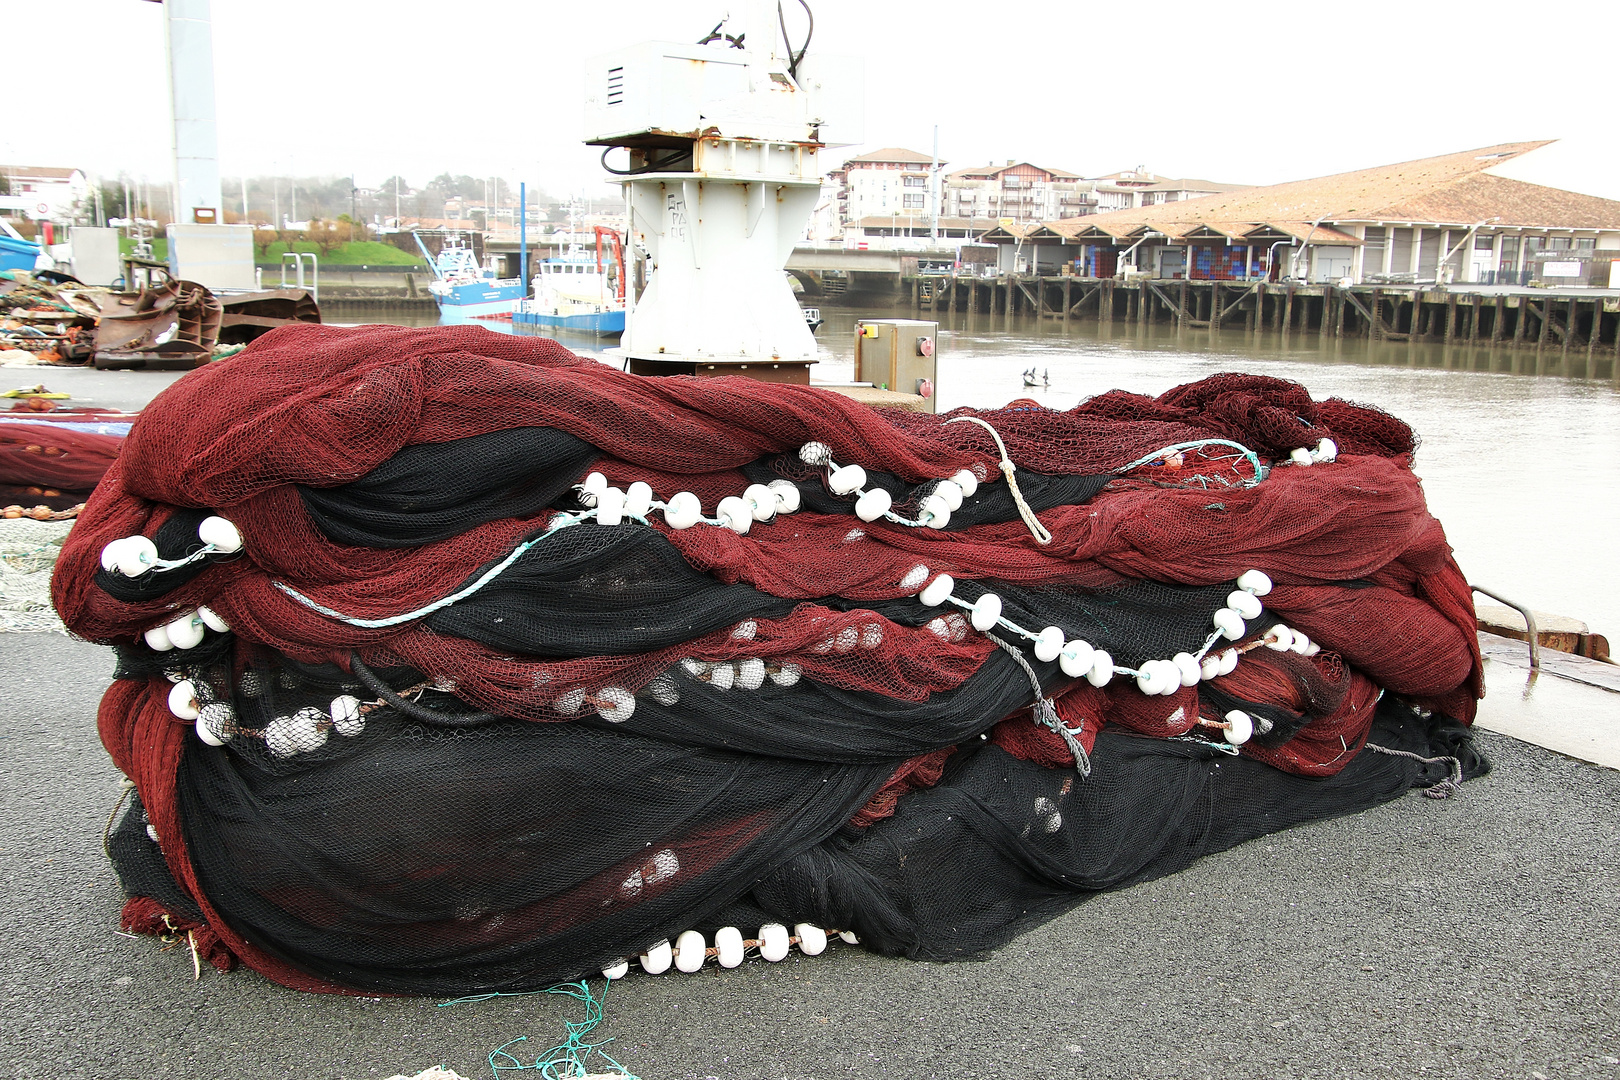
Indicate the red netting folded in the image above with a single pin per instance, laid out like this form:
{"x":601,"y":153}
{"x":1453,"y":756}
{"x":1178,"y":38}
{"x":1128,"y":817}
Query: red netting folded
{"x":54,"y":456}
{"x":700,"y":670}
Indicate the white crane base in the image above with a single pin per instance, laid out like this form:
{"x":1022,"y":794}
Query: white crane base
{"x":717,"y":246}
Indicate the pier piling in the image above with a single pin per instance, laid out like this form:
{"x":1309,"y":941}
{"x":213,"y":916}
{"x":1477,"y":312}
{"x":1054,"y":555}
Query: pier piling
{"x":1572,"y":333}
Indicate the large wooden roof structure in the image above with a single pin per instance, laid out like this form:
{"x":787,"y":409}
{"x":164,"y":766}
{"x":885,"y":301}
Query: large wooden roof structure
{"x":1449,"y":190}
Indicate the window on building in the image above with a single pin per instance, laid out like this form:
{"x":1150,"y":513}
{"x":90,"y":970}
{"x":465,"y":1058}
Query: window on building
{"x":916,"y":181}
{"x":1508,"y":262}
{"x":1372,"y":255}
{"x":1558,"y":243}
{"x":914,"y":202}
{"x":1585,"y":243}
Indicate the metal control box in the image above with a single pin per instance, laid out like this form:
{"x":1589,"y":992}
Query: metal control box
{"x":898,"y":354}
{"x":660,"y":93}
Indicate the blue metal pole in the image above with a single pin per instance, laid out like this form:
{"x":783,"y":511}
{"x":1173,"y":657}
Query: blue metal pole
{"x":523,"y":235}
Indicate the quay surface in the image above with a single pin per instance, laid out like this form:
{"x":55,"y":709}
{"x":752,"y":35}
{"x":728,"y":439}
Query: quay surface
{"x":1470,"y":937}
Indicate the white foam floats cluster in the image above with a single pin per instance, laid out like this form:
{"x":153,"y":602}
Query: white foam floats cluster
{"x":133,"y":556}
{"x":299,"y":733}
{"x":185,"y":631}
{"x":762,"y":502}
{"x":615,"y":704}
{"x":759,"y":502}
{"x":1324,"y":451}
{"x":690,"y":951}
{"x":1080,"y":659}
{"x":934,"y":509}
{"x":1077,"y":657}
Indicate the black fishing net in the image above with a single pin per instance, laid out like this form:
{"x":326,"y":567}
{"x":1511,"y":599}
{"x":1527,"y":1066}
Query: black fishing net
{"x":422,"y":717}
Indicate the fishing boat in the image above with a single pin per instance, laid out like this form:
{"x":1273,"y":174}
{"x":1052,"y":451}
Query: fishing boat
{"x":461,"y":287}
{"x":812,"y":318}
{"x":579,"y":289}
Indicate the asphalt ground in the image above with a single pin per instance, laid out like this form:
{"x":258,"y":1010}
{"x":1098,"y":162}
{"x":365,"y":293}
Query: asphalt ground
{"x":1471,"y":937}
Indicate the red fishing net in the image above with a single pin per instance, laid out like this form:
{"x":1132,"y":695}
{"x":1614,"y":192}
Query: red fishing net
{"x":51,"y":464}
{"x":494,"y":739}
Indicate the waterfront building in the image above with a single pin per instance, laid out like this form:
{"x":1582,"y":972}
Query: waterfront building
{"x":1136,"y":187}
{"x":1016,"y":191}
{"x":892,"y":183}
{"x":885,"y":199}
{"x":44,"y":193}
{"x":1449,"y":218}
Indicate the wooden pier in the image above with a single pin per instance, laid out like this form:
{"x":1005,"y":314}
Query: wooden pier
{"x":1579,"y":331}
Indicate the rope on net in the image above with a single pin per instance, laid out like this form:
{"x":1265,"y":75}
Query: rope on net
{"x":1036,"y":529}
{"x":1045,"y":712}
{"x":559,"y":522}
{"x":1260,"y":470}
{"x":1446,"y":788}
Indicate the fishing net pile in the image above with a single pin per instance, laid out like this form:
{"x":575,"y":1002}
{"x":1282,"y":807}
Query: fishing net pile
{"x":452,"y":662}
{"x":52,"y":465}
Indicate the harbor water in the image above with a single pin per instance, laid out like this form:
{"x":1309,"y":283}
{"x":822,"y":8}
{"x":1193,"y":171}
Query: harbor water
{"x":1522,"y":469}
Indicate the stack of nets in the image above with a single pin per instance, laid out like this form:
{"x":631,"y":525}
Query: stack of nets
{"x":51,"y":464}
{"x":430,"y":681}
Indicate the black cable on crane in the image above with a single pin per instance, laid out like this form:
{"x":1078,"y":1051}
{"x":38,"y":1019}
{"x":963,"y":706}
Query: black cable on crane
{"x":651,"y":166}
{"x":795,"y":57}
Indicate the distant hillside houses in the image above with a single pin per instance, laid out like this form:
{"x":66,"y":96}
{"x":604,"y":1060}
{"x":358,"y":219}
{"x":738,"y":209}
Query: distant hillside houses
{"x":1441,"y":219}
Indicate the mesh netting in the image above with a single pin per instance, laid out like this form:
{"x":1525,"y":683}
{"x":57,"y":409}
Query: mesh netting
{"x":459,"y":730}
{"x":51,"y":464}
{"x":28,"y":553}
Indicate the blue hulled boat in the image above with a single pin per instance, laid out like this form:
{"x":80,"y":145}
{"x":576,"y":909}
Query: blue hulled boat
{"x":578,"y":289}
{"x":462,"y":288}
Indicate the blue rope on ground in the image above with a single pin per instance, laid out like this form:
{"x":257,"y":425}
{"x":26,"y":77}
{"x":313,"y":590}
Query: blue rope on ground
{"x":567,"y":1060}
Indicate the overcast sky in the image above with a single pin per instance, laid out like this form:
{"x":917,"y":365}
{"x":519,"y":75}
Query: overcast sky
{"x":1257,"y":92}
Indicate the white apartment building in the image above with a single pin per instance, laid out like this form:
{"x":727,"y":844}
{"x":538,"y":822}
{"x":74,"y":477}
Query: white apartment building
{"x":891,"y":183}
{"x":1016,"y":191}
{"x":1131,"y":189}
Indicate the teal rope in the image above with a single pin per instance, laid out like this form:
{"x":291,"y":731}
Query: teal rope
{"x":570,"y":1055}
{"x":563,"y":521}
{"x":1260,"y":471}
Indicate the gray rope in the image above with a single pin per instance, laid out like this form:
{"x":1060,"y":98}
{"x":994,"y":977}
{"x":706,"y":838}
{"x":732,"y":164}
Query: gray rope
{"x":1446,"y":788}
{"x":1044,"y":712}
